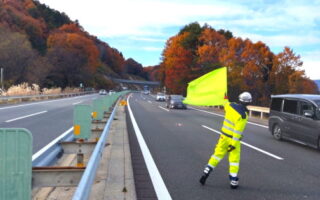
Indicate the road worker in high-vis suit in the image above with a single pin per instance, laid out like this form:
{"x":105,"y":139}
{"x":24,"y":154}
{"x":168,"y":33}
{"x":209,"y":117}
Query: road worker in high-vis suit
{"x":236,"y":117}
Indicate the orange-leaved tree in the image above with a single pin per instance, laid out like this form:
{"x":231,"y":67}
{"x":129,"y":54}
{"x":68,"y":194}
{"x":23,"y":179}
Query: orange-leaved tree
{"x":177,"y":62}
{"x":74,"y":55}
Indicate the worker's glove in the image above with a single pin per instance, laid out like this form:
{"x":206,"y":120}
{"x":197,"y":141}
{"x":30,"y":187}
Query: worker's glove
{"x":231,"y":148}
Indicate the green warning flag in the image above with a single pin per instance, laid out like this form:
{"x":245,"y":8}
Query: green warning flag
{"x":209,"y":89}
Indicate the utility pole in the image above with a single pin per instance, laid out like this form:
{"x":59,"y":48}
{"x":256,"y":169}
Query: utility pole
{"x":1,"y":78}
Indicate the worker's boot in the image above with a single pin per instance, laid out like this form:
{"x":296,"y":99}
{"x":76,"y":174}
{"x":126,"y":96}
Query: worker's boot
{"x":234,"y":182}
{"x":205,"y":175}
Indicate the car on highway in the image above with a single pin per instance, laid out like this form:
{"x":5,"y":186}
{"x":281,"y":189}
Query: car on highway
{"x":103,"y":92}
{"x":146,"y":92}
{"x":296,"y":117}
{"x":175,"y":101}
{"x":160,"y":97}
{"x":111,"y":92}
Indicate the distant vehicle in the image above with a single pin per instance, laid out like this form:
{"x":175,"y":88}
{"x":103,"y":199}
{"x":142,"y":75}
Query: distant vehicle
{"x":296,"y":117}
{"x":175,"y":101}
{"x":146,"y":89}
{"x":160,"y":97}
{"x":111,"y":92}
{"x":103,"y":92}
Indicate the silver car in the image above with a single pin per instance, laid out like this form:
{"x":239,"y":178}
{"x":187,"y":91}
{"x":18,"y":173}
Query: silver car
{"x":296,"y":117}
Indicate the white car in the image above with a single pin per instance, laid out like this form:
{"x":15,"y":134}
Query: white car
{"x":160,"y":97}
{"x":102,"y":92}
{"x":111,"y":92}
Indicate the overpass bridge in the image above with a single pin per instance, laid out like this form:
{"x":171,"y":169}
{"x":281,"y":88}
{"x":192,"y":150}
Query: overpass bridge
{"x":137,"y":82}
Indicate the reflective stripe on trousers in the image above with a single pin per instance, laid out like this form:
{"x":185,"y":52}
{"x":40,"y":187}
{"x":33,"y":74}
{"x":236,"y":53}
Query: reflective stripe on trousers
{"x":221,"y":150}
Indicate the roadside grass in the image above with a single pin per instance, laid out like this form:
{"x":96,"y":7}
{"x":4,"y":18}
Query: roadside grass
{"x":24,"y":89}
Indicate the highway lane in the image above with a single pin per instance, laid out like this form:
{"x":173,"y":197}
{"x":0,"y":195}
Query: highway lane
{"x":45,"y":119}
{"x":180,"y":147}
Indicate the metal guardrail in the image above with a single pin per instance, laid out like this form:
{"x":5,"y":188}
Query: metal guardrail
{"x":50,"y":153}
{"x":42,"y":96}
{"x":84,"y":187}
{"x":262,"y":110}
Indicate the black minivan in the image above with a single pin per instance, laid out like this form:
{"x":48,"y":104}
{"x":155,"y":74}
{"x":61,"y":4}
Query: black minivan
{"x":296,"y":117}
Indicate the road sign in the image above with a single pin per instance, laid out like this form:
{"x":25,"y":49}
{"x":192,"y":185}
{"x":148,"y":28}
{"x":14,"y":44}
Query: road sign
{"x":82,"y":121}
{"x":15,"y":163}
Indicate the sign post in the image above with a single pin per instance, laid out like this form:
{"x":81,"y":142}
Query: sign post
{"x":2,"y":79}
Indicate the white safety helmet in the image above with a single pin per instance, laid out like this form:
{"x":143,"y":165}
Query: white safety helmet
{"x":245,"y":97}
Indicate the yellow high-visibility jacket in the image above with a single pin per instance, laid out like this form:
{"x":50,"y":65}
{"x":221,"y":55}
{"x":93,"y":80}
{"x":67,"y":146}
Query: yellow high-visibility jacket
{"x":235,"y":121}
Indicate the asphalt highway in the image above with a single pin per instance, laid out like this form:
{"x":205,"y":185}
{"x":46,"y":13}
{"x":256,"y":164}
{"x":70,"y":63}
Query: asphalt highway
{"x":181,"y":142}
{"x":46,"y":120}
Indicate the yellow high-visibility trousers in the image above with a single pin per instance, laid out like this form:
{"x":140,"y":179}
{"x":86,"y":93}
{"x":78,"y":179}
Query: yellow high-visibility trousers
{"x":220,"y":151}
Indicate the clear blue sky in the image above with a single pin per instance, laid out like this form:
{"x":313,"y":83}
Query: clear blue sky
{"x":140,"y":28}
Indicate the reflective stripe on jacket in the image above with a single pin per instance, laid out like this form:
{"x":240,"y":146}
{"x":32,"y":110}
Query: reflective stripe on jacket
{"x":236,"y":117}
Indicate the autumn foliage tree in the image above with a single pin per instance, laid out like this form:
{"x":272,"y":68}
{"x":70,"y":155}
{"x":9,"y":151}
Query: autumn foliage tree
{"x":41,"y":45}
{"x":253,"y":67}
{"x":154,"y":73}
{"x":80,"y":56}
{"x":177,"y":64}
{"x":210,"y":50}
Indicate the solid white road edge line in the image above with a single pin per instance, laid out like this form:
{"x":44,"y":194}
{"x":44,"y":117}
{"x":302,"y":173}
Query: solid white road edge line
{"x":42,"y":102}
{"x":53,"y":142}
{"x":248,"y":145}
{"x":223,"y":116}
{"x":157,"y":181}
{"x":164,"y":108}
{"x":15,"y":119}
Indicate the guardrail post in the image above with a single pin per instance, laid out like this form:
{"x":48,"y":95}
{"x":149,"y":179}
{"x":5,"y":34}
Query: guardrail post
{"x":80,"y":159}
{"x":15,"y":163}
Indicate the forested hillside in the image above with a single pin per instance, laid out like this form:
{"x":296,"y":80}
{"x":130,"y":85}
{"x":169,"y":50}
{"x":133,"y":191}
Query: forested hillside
{"x":43,"y":46}
{"x":253,"y":67}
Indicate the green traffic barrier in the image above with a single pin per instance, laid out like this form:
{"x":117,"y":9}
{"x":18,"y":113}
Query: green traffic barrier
{"x":82,"y":121}
{"x":107,"y":103}
{"x":15,"y":163}
{"x":83,"y":114}
{"x":98,"y":109}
